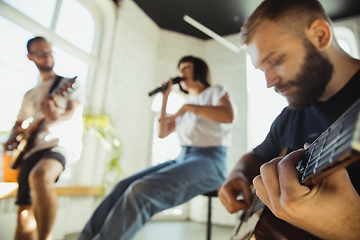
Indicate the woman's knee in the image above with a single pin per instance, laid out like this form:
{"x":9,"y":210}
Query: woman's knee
{"x":137,"y":189}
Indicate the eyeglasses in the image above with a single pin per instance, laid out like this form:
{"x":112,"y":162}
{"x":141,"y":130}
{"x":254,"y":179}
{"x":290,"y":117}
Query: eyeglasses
{"x":41,"y":54}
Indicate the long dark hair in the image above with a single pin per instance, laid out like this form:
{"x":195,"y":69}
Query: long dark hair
{"x":201,"y":70}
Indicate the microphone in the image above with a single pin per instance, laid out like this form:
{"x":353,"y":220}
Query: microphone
{"x":163,"y":88}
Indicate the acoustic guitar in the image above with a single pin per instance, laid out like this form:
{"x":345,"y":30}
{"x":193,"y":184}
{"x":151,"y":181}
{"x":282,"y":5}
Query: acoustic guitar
{"x":337,"y":147}
{"x":25,"y":139}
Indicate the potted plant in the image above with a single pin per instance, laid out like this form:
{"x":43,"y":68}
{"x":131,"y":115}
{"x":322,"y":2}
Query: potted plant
{"x":100,"y":126}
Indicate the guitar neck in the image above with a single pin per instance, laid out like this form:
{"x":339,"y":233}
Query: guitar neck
{"x":35,"y":123}
{"x":337,"y":147}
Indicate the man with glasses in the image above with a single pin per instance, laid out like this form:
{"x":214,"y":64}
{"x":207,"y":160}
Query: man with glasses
{"x":57,"y":143}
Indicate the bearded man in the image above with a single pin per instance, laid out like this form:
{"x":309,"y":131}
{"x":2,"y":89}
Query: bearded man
{"x":293,"y":43}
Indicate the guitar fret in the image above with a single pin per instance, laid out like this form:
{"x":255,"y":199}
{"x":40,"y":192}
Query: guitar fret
{"x":329,"y":146}
{"x":341,"y":151}
{"x":326,"y":142}
{"x":316,"y":152}
{"x":351,"y":117}
{"x":340,"y":140}
{"x":309,"y":158}
{"x":327,"y":155}
{"x":343,"y":143}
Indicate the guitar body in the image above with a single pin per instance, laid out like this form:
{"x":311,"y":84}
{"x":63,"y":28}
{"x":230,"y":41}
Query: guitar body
{"x":258,"y":223}
{"x":25,"y":143}
{"x":268,"y":227}
{"x":248,"y":220}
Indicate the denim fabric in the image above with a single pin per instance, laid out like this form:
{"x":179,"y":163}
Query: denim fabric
{"x":135,"y":199}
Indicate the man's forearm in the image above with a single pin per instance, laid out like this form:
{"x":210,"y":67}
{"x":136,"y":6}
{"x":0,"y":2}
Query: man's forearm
{"x":248,"y":165}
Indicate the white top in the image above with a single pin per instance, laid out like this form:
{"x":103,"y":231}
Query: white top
{"x":196,"y":131}
{"x":66,"y":134}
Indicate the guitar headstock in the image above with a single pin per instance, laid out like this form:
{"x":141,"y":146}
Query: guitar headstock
{"x":65,"y":87}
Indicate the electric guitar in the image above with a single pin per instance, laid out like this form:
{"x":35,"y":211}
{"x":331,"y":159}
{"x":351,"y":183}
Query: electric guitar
{"x":337,"y":147}
{"x":25,"y":140}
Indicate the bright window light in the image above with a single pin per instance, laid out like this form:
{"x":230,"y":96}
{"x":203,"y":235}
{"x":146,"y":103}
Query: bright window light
{"x":39,"y":10}
{"x":263,"y":105}
{"x":70,"y":66}
{"x":175,"y":102}
{"x":18,"y":74}
{"x":347,"y":40}
{"x":76,"y":24}
{"x":167,"y":148}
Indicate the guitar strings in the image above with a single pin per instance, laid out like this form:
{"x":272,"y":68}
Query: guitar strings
{"x":318,"y":153}
{"x":322,"y":151}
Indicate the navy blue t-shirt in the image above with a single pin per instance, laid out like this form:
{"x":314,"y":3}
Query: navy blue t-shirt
{"x":292,"y":128}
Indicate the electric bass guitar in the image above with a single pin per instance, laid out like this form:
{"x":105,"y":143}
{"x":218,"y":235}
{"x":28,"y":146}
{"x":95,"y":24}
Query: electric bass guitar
{"x":337,"y":147}
{"x":25,"y":139}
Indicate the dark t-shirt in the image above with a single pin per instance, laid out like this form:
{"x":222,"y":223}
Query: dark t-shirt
{"x":292,"y":128}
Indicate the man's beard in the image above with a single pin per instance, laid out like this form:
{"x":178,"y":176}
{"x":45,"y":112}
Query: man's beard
{"x":311,"y":81}
{"x":45,"y":69}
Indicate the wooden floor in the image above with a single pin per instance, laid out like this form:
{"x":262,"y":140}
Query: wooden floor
{"x":174,"y":230}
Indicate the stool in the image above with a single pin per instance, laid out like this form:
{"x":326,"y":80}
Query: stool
{"x":208,"y":226}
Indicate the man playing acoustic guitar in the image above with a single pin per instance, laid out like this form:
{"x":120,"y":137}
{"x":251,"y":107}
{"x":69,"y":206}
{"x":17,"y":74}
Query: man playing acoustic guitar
{"x":54,"y":143}
{"x":293,"y":43}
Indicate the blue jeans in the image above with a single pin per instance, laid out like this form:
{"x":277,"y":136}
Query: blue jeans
{"x":135,"y":199}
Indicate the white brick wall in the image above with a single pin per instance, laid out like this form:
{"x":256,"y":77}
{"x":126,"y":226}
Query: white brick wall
{"x":143,"y":55}
{"x":132,"y":71}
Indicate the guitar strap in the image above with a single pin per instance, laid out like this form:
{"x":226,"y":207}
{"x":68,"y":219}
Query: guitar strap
{"x":56,"y":82}
{"x":31,"y":140}
{"x":33,"y":135}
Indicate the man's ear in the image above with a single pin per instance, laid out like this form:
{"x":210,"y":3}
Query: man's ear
{"x":29,"y":57}
{"x":320,"y":34}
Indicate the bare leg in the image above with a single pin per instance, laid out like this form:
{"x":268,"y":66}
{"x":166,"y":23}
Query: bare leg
{"x":44,"y":202}
{"x":26,"y":224}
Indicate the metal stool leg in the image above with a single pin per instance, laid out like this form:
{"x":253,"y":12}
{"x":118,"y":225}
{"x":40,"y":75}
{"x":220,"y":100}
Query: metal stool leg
{"x":208,"y":227}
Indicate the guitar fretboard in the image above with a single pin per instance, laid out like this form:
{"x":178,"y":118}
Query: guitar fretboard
{"x":332,"y":146}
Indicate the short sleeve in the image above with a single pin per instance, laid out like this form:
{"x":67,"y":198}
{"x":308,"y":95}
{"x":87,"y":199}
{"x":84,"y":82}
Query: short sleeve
{"x":271,"y":147}
{"x":218,"y":93}
{"x":27,"y":109}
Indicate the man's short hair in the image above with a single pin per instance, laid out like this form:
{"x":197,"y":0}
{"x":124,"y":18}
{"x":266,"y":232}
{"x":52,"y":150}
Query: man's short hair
{"x":32,"y":40}
{"x":296,"y":15}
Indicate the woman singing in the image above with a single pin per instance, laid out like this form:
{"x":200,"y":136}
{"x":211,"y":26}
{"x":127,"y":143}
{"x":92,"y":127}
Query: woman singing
{"x":204,"y":127}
